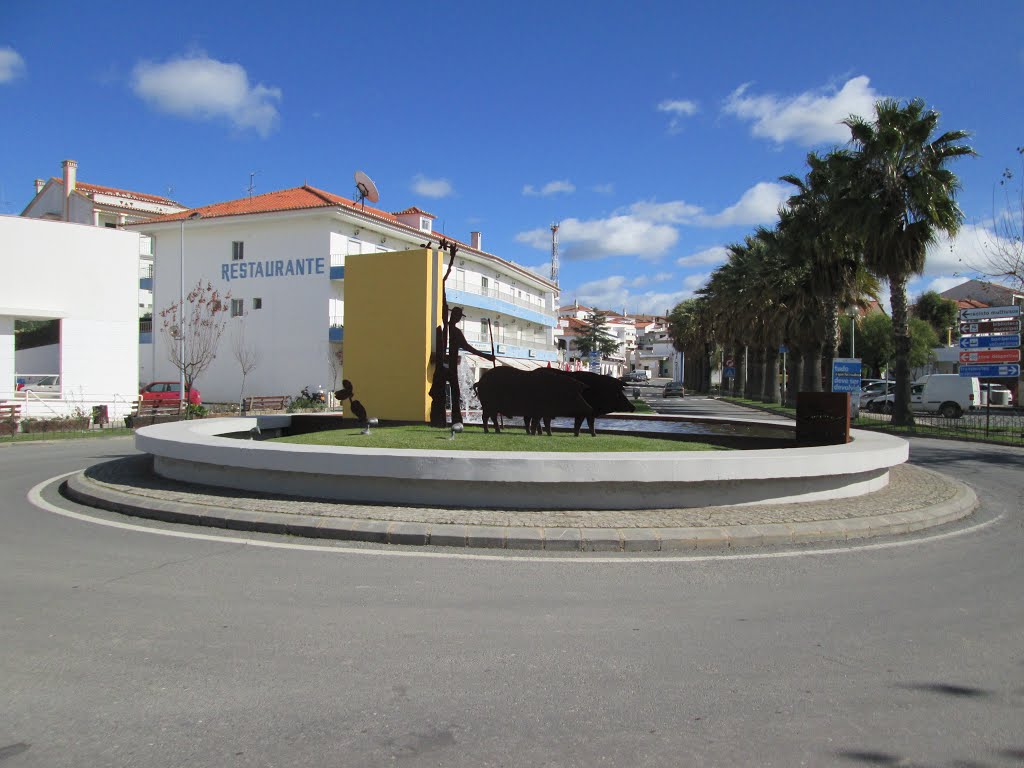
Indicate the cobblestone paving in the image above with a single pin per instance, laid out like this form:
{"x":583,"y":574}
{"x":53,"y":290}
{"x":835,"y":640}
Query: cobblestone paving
{"x":910,"y":488}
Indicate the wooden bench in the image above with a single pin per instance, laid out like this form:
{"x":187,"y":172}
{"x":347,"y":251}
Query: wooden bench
{"x":146,"y":412}
{"x":9,"y":415}
{"x":266,"y":403}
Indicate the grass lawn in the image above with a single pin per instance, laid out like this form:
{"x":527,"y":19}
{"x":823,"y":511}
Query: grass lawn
{"x":642,"y":406}
{"x":35,"y":436}
{"x":423,"y":437}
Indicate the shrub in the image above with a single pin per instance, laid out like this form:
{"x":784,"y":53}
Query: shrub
{"x":308,"y":401}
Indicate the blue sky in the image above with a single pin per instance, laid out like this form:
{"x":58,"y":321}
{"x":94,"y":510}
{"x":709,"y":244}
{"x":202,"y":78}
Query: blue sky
{"x":654,"y":132}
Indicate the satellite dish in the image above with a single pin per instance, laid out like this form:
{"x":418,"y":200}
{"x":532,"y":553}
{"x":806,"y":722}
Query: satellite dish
{"x":366,"y":189}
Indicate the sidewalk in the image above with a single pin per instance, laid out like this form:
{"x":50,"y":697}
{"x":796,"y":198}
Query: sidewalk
{"x":916,"y":498}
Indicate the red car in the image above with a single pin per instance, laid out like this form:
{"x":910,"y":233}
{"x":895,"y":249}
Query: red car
{"x":168,"y":390}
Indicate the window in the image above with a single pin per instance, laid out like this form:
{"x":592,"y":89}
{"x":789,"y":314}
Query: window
{"x":237,"y":307}
{"x":483,"y":283}
{"x":424,"y":224}
{"x":257,"y":303}
{"x":483,"y":328}
{"x":237,"y":250}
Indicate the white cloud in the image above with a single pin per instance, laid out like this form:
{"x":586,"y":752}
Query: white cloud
{"x":758,"y":205}
{"x":674,"y":212}
{"x":603,"y":189}
{"x":559,"y":187}
{"x":600,"y":238}
{"x":202,"y":88}
{"x":648,"y":229}
{"x":941,"y":284}
{"x":421,"y":185}
{"x":544,"y":270}
{"x":614,"y":293}
{"x":710,"y":256}
{"x":811,"y":117}
{"x":678,"y":109}
{"x":12,"y":66}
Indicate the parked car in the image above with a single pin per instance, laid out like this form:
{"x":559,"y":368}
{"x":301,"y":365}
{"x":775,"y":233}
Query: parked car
{"x":996,"y":394}
{"x":48,"y":386}
{"x":168,"y":390}
{"x":875,"y":389}
{"x":637,"y":377}
{"x":673,"y":389}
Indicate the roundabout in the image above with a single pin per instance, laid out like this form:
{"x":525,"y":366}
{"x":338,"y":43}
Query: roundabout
{"x":195,"y":473}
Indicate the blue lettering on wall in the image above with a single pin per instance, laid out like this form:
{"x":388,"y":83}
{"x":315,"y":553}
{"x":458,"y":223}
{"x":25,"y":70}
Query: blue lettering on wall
{"x":242,"y":270}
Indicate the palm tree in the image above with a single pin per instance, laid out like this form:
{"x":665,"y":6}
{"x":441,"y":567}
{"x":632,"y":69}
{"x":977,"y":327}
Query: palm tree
{"x":899,"y":198}
{"x":832,"y":250}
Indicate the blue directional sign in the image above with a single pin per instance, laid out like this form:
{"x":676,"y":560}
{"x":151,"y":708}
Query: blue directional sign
{"x":991,"y":371}
{"x":729,"y":373}
{"x":990,"y":342}
{"x":846,"y":372}
{"x":595,"y":362}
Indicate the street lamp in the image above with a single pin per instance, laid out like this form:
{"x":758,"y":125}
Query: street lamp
{"x":181,"y":310}
{"x":852,"y":313}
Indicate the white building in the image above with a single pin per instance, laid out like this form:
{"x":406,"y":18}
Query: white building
{"x":68,"y":199}
{"x":282,"y":255}
{"x":86,"y":278}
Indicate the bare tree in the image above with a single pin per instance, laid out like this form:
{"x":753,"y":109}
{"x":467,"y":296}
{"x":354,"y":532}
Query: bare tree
{"x":193,"y":327}
{"x":246,"y":355}
{"x":1004,"y":257}
{"x":335,"y":361}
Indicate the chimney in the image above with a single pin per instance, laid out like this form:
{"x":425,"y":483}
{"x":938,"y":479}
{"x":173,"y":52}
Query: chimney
{"x":70,"y":171}
{"x":39,"y":185}
{"x":476,"y":240}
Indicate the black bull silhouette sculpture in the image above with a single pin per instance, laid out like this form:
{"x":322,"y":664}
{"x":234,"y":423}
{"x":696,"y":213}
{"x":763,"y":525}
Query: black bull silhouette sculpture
{"x":542,"y":394}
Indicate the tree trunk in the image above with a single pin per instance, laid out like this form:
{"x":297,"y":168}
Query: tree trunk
{"x":812,"y":368}
{"x":755,"y":387}
{"x":741,"y":370}
{"x":796,"y":374}
{"x":902,"y":416}
{"x":770,"y":385}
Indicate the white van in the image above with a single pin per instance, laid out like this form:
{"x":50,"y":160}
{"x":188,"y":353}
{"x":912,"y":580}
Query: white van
{"x":950,"y":394}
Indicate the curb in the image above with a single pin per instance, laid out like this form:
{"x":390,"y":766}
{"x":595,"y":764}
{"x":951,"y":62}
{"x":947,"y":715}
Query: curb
{"x":82,"y":490}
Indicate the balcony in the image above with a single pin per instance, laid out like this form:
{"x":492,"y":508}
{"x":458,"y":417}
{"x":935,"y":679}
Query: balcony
{"x":146,"y":276}
{"x":336,"y":331}
{"x":463,"y":294}
{"x":532,"y":349}
{"x":145,"y":331}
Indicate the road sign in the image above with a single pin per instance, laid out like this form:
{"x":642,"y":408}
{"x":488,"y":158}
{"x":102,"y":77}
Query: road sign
{"x":846,"y":372}
{"x":729,"y":372}
{"x":990,"y":356}
{"x":991,"y":326}
{"x":1010,"y":341}
{"x":987,"y":313}
{"x":729,"y":363}
{"x":991,"y":371}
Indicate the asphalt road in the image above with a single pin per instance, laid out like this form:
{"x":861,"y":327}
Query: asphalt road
{"x":121,"y":647}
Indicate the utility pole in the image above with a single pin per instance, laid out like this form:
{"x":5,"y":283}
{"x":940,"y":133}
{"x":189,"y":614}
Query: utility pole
{"x":554,"y":253}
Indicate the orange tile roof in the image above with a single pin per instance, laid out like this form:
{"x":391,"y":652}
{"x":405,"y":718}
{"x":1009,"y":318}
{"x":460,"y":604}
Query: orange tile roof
{"x":414,"y":209}
{"x":97,"y":188}
{"x":308,"y":198}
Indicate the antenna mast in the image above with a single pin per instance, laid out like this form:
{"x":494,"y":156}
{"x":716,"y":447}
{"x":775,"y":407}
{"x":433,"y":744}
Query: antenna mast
{"x":554,"y":253}
{"x":252,"y":183}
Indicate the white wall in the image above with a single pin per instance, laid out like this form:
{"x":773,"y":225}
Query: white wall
{"x":7,"y":367}
{"x":88,"y":277}
{"x":290,"y":332}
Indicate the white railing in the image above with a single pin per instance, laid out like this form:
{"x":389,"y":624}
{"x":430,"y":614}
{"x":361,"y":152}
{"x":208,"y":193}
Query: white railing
{"x":536,"y":342}
{"x":337,"y":259}
{"x":534,"y":303}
